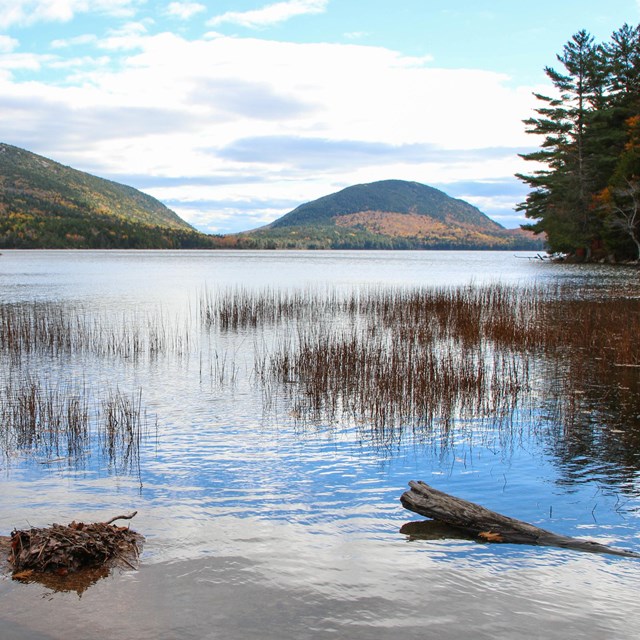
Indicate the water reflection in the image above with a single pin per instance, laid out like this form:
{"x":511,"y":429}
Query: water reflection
{"x":268,"y":515}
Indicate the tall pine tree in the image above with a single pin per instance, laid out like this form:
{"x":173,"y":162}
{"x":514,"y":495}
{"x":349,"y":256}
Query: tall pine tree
{"x":561,"y":198}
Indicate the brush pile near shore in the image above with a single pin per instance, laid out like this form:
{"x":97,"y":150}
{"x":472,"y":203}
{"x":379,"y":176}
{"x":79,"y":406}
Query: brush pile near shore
{"x":63,"y":549}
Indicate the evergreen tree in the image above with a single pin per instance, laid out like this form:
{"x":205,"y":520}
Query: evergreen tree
{"x":560,"y":201}
{"x":620,"y":200}
{"x":622,"y":56}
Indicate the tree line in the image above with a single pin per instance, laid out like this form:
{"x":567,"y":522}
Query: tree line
{"x":585,"y":188}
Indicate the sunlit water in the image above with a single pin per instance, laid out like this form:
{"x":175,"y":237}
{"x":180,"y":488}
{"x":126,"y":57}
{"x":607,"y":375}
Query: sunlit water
{"x":260,"y":526}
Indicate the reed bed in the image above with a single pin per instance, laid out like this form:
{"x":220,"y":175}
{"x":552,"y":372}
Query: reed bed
{"x":386,"y":383}
{"x":58,"y":329}
{"x":60,"y":423}
{"x":421,"y":357}
{"x":386,"y":359}
{"x":51,"y":420}
{"x":121,"y":428}
{"x":241,"y":308}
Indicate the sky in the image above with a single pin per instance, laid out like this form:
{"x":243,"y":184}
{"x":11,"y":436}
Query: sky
{"x":233,"y":113}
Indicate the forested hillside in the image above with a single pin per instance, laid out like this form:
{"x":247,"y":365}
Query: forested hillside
{"x":586,"y":188}
{"x":388,"y":214}
{"x":44,"y":204}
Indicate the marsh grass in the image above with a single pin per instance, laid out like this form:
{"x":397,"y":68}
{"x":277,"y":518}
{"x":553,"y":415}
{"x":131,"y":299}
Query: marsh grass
{"x":61,"y":422}
{"x":397,"y":358}
{"x":64,"y":329}
{"x":242,"y":308}
{"x":388,"y":360}
{"x":122,"y":425}
{"x":51,"y":420}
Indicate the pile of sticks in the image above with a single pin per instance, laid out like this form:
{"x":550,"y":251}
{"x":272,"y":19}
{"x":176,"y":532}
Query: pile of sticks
{"x":64,"y":549}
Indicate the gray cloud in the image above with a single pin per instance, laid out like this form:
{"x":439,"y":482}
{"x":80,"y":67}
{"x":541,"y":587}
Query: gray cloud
{"x":249,"y":99}
{"x":50,"y":124}
{"x":143,"y":181}
{"x":319,"y":154}
{"x":254,"y":205}
{"x":508,"y":186}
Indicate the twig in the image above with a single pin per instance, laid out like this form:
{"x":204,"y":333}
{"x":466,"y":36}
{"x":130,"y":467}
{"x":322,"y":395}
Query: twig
{"x":124,"y":517}
{"x":123,"y":559}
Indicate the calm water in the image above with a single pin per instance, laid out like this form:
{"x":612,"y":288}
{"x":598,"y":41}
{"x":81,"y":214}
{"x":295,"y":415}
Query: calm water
{"x":258,"y":526}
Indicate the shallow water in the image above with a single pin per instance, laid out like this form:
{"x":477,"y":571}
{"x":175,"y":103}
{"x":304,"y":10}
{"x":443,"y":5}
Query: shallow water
{"x":259,"y":525}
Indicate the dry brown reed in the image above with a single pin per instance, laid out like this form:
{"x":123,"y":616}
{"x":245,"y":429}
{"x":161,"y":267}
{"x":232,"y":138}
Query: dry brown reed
{"x":122,"y":425}
{"x":419,"y":357}
{"x":242,"y":308}
{"x":37,"y":417}
{"x":62,"y":329}
{"x":384,"y":358}
{"x":60,"y":422}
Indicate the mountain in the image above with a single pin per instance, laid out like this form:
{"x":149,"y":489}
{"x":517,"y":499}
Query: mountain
{"x":44,"y":204}
{"x":390,"y":214}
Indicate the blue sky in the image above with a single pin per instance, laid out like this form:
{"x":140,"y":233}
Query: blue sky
{"x":233,"y":113}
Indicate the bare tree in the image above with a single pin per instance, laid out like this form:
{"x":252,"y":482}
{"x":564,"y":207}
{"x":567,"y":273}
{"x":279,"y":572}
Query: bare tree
{"x":624,"y":210}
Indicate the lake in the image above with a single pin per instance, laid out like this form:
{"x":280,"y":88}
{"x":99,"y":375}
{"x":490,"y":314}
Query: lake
{"x":262,"y":520}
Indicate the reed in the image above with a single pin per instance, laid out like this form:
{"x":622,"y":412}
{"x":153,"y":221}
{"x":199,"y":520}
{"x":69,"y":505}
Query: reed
{"x":122,"y":425}
{"x":63,"y":422}
{"x":241,"y":308}
{"x":385,"y":358}
{"x":64,"y":329}
{"x":40,"y":418}
{"x":421,"y":357}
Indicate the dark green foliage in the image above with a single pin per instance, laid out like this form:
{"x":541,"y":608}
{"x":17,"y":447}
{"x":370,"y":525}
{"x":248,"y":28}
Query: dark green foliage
{"x":23,"y":231}
{"x":334,"y":237}
{"x":588,"y":148}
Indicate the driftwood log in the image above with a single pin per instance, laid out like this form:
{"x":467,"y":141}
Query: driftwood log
{"x":490,"y":526}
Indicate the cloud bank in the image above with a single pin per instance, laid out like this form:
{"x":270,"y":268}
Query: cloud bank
{"x":234,"y":131}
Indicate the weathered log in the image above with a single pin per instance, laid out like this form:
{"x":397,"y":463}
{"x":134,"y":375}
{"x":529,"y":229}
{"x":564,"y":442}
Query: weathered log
{"x":491,"y":526}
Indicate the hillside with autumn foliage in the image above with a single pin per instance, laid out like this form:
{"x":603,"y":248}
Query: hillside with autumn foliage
{"x":46,"y":205}
{"x":389,"y":214}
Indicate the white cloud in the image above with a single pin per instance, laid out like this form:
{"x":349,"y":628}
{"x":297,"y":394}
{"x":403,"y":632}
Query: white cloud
{"x":87,"y":38}
{"x":271,"y":14}
{"x":25,"y":61}
{"x":7,"y":44}
{"x":24,"y":12}
{"x":184,"y":10}
{"x":127,"y":37}
{"x":356,"y":35}
{"x":82,"y":63}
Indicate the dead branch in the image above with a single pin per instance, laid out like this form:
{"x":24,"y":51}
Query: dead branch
{"x":490,"y":526}
{"x":124,"y":517}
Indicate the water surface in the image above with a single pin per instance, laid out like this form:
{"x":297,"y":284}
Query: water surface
{"x":259,"y":525}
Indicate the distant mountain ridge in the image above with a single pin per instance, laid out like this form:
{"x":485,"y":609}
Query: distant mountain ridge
{"x":389,"y":214}
{"x":44,"y":204}
{"x":388,"y":196}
